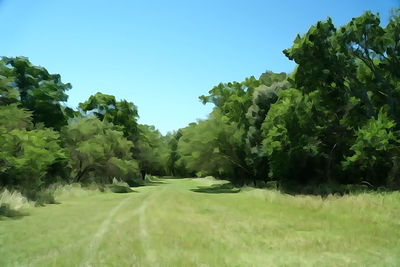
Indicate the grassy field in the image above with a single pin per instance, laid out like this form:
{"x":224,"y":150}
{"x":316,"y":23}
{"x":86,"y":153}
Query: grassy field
{"x":198,"y":222}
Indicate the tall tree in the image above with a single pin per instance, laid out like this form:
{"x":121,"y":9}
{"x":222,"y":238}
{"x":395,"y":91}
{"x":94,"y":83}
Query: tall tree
{"x":36,"y":90}
{"x":121,"y":113}
{"x":263,"y":97}
{"x":213,"y":147}
{"x":98,"y":151}
{"x":26,"y":154}
{"x":291,"y":139}
{"x":152,"y":151}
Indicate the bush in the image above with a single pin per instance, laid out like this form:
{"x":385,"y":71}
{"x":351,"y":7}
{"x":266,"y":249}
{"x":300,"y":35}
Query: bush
{"x":375,"y":153}
{"x":26,"y":156}
{"x":14,"y":200}
{"x":44,"y":196}
{"x":120,"y":187}
{"x":6,"y":211}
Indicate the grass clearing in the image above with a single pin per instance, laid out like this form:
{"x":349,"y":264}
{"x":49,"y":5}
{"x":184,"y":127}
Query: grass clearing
{"x":172,"y":224}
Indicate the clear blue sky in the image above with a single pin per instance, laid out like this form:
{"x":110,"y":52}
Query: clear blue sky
{"x":162,"y":55}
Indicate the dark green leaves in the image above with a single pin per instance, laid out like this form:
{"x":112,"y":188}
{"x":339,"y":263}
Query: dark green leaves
{"x":34,"y":89}
{"x":121,"y":113}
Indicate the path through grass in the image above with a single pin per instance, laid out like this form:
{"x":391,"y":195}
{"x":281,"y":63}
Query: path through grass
{"x":195,"y":222}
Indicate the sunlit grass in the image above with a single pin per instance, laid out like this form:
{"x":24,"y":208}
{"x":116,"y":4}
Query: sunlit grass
{"x":64,"y":192}
{"x":167,"y":224}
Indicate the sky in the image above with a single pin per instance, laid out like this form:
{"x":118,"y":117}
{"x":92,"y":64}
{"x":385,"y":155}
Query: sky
{"x":162,"y":55}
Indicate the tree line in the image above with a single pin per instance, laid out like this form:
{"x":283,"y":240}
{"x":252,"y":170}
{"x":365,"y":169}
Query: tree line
{"x":334,"y":120}
{"x":43,"y":142}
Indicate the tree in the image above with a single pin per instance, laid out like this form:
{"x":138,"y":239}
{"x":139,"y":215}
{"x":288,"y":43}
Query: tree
{"x":35,"y":89}
{"x":21,"y":118}
{"x":8,"y":94}
{"x":263,"y":97}
{"x":175,"y":166}
{"x":26,"y":155}
{"x":98,"y":151}
{"x":375,"y":153}
{"x":291,"y":139}
{"x":120,"y":113}
{"x":152,"y":151}
{"x":233,"y":99}
{"x":268,"y":78}
{"x":213,"y":147}
{"x":351,"y":73}
{"x":373,"y":52}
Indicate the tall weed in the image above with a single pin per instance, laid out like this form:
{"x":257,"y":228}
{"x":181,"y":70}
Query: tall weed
{"x":15,"y":200}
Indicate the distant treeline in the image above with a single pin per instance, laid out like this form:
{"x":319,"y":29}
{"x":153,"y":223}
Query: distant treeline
{"x":334,"y":120}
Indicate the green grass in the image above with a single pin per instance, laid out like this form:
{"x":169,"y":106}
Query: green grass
{"x":201,"y":222}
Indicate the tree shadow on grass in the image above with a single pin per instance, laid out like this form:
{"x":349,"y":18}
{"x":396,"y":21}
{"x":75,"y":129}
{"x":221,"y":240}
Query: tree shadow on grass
{"x":7,"y":212}
{"x":226,"y":188}
{"x":325,"y":190}
{"x":121,"y":189}
{"x":146,"y":183}
{"x":154,"y":183}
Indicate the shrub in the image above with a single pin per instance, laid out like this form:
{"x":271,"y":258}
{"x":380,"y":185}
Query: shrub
{"x":14,"y":200}
{"x":375,"y":152}
{"x":26,"y":156}
{"x":120,"y":187}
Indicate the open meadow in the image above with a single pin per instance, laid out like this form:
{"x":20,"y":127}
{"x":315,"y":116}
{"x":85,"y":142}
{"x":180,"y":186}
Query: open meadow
{"x":201,"y":222}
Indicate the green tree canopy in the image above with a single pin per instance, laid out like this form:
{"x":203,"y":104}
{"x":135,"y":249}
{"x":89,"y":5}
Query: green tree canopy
{"x":153,"y":151}
{"x":98,"y":151}
{"x":35,"y":89}
{"x":121,"y":113}
{"x":212,"y":147}
{"x":26,"y":156}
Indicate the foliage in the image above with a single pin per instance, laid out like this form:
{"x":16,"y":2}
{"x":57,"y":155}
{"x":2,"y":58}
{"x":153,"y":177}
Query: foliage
{"x":291,"y":137}
{"x":120,"y":187}
{"x":152,"y":151}
{"x":375,"y":152}
{"x":346,"y":73}
{"x":233,"y":99}
{"x":27,"y":156}
{"x":212,"y":147}
{"x":268,"y":78}
{"x":35,"y":89}
{"x":120,"y":113}
{"x":175,"y":166}
{"x":98,"y":151}
{"x":21,"y":118}
{"x":263,"y":97}
{"x":335,"y":120}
